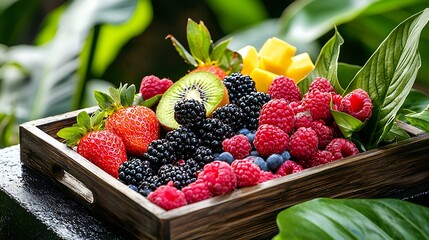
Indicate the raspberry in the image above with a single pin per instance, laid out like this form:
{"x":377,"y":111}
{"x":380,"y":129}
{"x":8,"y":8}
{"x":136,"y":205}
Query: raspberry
{"x":341,"y":148}
{"x":319,"y":104}
{"x":270,"y":139}
{"x":196,"y":191}
{"x":336,"y":101}
{"x":238,"y":146}
{"x":267,"y":175}
{"x":321,"y":84}
{"x":246,"y":172}
{"x":303,"y":119}
{"x":325,"y":134}
{"x":284,"y":88}
{"x":320,"y":157}
{"x":152,"y":85}
{"x":219,"y":177}
{"x":358,"y":104}
{"x":289,"y":167}
{"x":277,"y":112}
{"x":167,"y":197}
{"x":303,"y":143}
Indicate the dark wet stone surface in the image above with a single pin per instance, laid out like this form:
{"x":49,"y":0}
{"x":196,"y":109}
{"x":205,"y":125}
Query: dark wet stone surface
{"x":33,"y":208}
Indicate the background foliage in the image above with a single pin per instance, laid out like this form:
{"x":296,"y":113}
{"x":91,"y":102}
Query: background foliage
{"x":53,"y":54}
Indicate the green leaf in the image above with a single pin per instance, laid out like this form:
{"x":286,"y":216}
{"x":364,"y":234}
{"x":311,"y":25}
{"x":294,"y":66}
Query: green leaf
{"x":326,"y":65}
{"x":346,"y":72}
{"x":83,"y":119}
{"x":219,"y":50}
{"x":104,"y":100}
{"x":199,"y":41}
{"x":127,"y":95}
{"x":324,"y":218}
{"x":347,"y":123}
{"x":151,"y":101}
{"x":396,"y":134}
{"x":389,"y":75}
{"x":420,"y":120}
{"x":416,"y":101}
{"x":182,"y":51}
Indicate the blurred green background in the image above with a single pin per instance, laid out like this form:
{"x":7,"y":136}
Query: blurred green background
{"x":53,"y":54}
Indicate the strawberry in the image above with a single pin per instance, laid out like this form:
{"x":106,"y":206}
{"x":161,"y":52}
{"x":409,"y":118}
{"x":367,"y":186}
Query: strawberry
{"x":101,"y":147}
{"x":204,"y":54}
{"x":136,"y":125}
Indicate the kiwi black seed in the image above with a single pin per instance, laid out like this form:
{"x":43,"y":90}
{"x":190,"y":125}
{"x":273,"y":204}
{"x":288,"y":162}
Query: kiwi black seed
{"x":202,"y":86}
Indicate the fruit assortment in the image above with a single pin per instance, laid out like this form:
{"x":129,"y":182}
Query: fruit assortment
{"x":211,"y":133}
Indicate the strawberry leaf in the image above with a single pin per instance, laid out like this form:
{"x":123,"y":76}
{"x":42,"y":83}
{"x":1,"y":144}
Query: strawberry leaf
{"x":127,"y":95}
{"x":83,"y":120}
{"x":219,"y":51}
{"x":199,"y":41}
{"x":183,"y":52}
{"x":326,"y":65}
{"x":389,"y":75}
{"x":104,"y":100}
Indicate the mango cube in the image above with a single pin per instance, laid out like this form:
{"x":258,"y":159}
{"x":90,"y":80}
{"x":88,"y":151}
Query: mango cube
{"x":300,"y":66}
{"x":263,"y":79}
{"x":250,"y":59}
{"x":276,"y":55}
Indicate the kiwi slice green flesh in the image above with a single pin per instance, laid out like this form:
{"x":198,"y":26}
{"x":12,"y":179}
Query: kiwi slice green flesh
{"x":202,"y":86}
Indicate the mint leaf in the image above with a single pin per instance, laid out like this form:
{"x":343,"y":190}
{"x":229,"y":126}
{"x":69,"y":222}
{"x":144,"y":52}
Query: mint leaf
{"x":347,"y":123}
{"x":389,"y":75}
{"x":420,"y":120}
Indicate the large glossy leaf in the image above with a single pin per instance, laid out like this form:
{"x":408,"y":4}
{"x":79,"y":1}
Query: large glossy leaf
{"x":325,"y":218}
{"x":389,"y":75}
{"x":52,"y":67}
{"x":326,"y":65}
{"x":308,"y":20}
{"x":420,"y":120}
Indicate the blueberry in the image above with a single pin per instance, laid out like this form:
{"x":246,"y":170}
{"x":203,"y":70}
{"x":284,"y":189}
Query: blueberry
{"x":216,"y":155}
{"x":274,"y":161}
{"x":133,"y":187}
{"x":244,"y":131}
{"x":254,"y":153}
{"x":261,"y":163}
{"x":226,"y":157}
{"x":285,"y":155}
{"x":250,"y":136}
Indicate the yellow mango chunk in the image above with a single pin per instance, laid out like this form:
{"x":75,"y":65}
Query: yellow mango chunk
{"x":263,"y":79}
{"x":276,"y":55}
{"x":300,"y":66}
{"x":250,"y":59}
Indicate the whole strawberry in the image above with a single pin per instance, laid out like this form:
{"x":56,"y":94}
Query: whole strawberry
{"x":136,"y":125}
{"x":151,"y":86}
{"x":101,"y":147}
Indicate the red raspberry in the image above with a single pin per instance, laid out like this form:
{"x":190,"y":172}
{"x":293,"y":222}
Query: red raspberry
{"x":167,"y":197}
{"x":341,"y":148}
{"x":196,"y":191}
{"x":219,"y":177}
{"x":277,"y":112}
{"x":320,"y":157}
{"x":321,"y":84}
{"x":152,"y":85}
{"x":246,"y":172}
{"x":336,"y":101}
{"x":319,"y":104}
{"x":289,"y":167}
{"x":285,"y":88}
{"x":325,"y":134}
{"x":303,"y":119}
{"x":303,"y":143}
{"x":358,"y":104}
{"x":270,"y":139}
{"x":238,"y":145}
{"x":267,"y":175}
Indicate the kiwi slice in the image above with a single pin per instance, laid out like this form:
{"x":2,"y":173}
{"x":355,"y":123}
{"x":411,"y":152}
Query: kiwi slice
{"x":202,"y":86}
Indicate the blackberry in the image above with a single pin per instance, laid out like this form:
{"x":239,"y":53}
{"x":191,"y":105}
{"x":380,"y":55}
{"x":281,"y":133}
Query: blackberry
{"x":212,"y":132}
{"x":159,"y":152}
{"x":134,"y":171}
{"x":189,"y":112}
{"x":149,"y":185}
{"x":251,"y":106}
{"x":230,"y":114}
{"x":203,"y":155}
{"x":238,"y":86}
{"x":192,"y":167}
{"x":183,"y":141}
{"x":177,"y":174}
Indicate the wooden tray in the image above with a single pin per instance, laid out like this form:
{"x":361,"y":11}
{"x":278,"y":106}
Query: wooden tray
{"x":248,"y":213}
